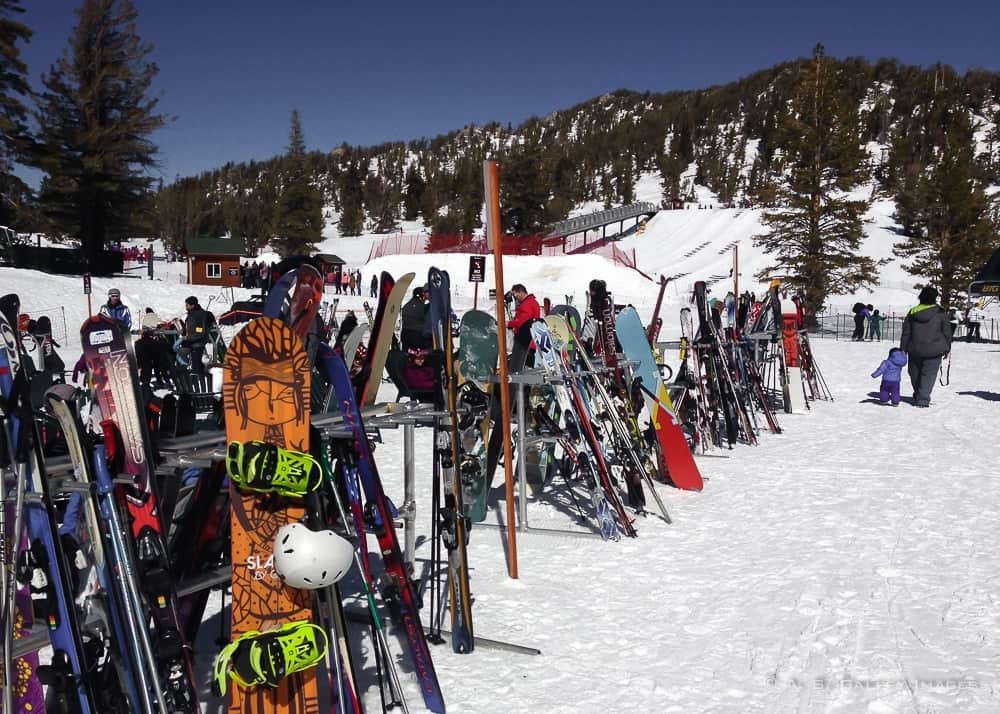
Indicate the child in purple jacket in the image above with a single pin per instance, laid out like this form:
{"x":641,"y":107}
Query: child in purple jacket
{"x":891,"y":371}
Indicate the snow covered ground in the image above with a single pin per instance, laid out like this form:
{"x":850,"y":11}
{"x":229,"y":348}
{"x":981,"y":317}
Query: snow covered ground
{"x":846,"y":565}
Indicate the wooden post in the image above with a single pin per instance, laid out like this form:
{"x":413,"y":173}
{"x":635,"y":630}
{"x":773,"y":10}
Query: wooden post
{"x":736,"y":272}
{"x":494,"y":240}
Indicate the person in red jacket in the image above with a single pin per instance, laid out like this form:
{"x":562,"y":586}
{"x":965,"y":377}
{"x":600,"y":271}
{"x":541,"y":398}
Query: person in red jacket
{"x":526,"y":312}
{"x":526,"y":308}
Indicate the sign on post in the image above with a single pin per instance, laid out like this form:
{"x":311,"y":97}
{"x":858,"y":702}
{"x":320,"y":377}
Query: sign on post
{"x":86,"y":291}
{"x":477,"y":268}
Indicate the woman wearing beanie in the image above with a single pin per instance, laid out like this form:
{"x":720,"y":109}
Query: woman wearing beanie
{"x":926,"y":340}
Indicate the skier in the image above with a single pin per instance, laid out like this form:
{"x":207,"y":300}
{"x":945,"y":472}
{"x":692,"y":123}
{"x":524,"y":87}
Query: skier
{"x":526,"y":312}
{"x":414,"y":318}
{"x":196,"y":328}
{"x":973,"y":319}
{"x":926,"y":340}
{"x":347,"y":326}
{"x":153,"y":356}
{"x":875,"y":326}
{"x":891,"y":371}
{"x":149,"y":320}
{"x":953,"y":321}
{"x":116,"y":309}
{"x":374,"y":286}
{"x":419,"y":375}
{"x":859,"y":322}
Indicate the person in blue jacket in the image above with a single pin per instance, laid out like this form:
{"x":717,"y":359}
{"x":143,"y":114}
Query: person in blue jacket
{"x":891,"y":371}
{"x":117,"y":310}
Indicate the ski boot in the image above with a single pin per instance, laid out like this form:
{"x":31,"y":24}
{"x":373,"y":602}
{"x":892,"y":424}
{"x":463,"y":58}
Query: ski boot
{"x":265,"y":658}
{"x":266,"y":468}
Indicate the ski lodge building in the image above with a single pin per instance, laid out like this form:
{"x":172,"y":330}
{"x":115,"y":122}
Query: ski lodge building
{"x":214,"y":261}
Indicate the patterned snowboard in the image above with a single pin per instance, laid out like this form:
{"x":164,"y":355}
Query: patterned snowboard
{"x":265,"y":394}
{"x":477,"y":362}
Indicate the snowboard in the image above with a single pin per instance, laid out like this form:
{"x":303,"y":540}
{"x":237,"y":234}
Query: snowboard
{"x":477,"y":362}
{"x":381,"y":342}
{"x":265,"y":392}
{"x":678,"y":461}
{"x":353,"y":342}
{"x":449,"y":458}
{"x":277,"y":296}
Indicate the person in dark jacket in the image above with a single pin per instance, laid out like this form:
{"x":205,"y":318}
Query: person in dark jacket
{"x":374,"y":286}
{"x":861,"y":314}
{"x":926,"y":340}
{"x":196,"y":334}
{"x":891,"y":371}
{"x":413,"y":319}
{"x":117,"y":310}
{"x":153,"y":356}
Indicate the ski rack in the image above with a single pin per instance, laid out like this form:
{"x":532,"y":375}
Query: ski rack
{"x":203,"y":448}
{"x":37,"y":637}
{"x":530,"y":377}
{"x":767,"y":357}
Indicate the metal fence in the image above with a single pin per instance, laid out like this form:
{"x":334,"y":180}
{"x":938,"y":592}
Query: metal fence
{"x":56,"y":315}
{"x":840,"y":326}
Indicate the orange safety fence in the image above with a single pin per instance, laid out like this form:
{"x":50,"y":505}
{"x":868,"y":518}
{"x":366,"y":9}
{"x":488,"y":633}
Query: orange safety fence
{"x":423,"y":243}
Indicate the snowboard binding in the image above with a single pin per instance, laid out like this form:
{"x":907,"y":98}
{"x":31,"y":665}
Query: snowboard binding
{"x":266,"y":468}
{"x":265,"y":658}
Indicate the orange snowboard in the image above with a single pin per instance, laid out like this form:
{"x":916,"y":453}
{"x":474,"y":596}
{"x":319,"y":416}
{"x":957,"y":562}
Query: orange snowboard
{"x":265,"y":394}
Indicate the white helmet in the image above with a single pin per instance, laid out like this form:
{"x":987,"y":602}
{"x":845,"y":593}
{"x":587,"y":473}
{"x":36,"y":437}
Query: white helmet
{"x":309,"y":559}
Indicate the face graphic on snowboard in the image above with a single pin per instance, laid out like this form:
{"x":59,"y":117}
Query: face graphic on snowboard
{"x":270,"y":401}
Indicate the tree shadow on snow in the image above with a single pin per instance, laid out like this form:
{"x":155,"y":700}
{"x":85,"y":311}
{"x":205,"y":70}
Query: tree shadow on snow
{"x":988,"y":396}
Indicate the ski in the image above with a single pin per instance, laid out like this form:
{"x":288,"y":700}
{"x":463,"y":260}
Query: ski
{"x":397,"y":589}
{"x":128,"y":449}
{"x":42,"y":564}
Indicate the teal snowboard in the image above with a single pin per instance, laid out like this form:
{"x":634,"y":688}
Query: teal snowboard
{"x":477,"y":362}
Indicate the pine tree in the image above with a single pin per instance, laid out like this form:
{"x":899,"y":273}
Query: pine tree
{"x":13,"y":112}
{"x":523,"y":193}
{"x":814,"y":238}
{"x":413,"y":195}
{"x":352,"y":214}
{"x":298,"y":217}
{"x":949,"y":227}
{"x":95,"y":126}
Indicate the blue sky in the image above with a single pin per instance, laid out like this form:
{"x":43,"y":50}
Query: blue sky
{"x":231,"y":71}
